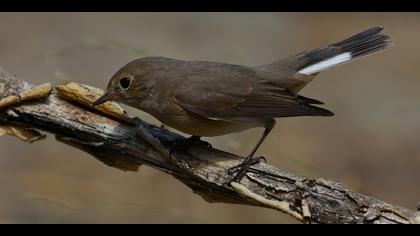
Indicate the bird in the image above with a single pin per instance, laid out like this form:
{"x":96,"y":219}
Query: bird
{"x":206,"y":99}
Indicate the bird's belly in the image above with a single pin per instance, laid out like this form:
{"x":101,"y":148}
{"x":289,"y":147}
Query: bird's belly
{"x":187,"y":122}
{"x":215,"y":128}
{"x":201,"y":126}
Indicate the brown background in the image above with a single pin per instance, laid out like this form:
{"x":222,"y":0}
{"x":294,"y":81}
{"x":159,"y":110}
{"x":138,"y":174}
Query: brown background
{"x":370,"y":145}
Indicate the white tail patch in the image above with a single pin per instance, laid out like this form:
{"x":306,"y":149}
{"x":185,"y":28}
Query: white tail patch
{"x":323,"y":65}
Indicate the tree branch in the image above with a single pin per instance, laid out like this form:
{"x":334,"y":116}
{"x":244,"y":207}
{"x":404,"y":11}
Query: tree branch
{"x":125,"y":143}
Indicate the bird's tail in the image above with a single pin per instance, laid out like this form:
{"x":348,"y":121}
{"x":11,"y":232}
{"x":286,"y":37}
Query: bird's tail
{"x":362,"y":44}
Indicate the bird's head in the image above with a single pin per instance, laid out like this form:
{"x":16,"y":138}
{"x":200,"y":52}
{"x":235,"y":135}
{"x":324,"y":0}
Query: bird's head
{"x":132,"y":83}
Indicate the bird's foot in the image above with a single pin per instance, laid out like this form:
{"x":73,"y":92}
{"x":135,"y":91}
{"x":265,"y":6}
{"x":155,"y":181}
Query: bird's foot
{"x":183,"y":145}
{"x":196,"y":140}
{"x":242,"y":168}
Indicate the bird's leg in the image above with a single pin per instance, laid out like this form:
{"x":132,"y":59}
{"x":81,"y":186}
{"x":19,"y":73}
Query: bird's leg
{"x":242,"y":168}
{"x":184,"y":144}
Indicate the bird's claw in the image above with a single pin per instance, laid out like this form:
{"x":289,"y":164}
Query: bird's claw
{"x":242,"y":168}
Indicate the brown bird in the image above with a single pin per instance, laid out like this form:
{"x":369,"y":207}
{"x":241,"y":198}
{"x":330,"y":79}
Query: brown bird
{"x":203,"y":98}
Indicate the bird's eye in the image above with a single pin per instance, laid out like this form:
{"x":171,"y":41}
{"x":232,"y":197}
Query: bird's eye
{"x":125,"y":83}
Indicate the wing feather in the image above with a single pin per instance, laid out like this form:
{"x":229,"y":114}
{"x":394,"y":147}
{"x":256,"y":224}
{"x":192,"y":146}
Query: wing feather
{"x":257,"y":99}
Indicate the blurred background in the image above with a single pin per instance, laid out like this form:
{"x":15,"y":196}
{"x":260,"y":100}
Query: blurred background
{"x":370,"y":145}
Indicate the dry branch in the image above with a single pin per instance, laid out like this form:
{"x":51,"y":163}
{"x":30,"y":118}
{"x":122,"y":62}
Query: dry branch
{"x":125,"y":143}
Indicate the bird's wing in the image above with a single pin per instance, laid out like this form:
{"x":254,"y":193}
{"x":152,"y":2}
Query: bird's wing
{"x":245,"y":98}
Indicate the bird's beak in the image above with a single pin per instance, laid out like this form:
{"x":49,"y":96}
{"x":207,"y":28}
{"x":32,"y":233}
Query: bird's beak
{"x":106,"y":97}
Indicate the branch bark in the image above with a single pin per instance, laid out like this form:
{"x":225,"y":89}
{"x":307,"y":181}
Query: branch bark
{"x":124,"y":143}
